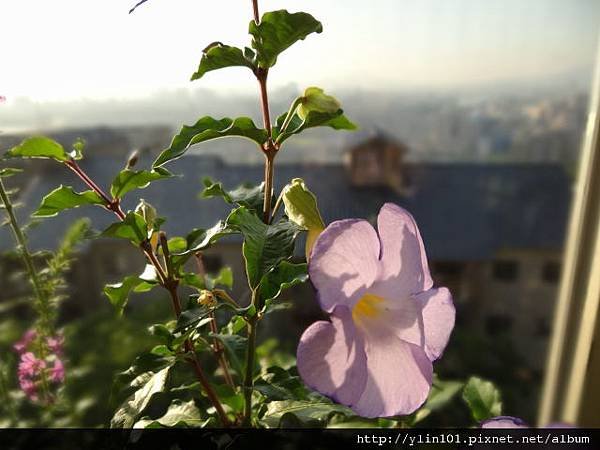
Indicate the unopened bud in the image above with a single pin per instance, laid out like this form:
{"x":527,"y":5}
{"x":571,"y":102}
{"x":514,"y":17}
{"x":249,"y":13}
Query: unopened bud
{"x":133,"y":159}
{"x":147,"y":211}
{"x":207,"y":298}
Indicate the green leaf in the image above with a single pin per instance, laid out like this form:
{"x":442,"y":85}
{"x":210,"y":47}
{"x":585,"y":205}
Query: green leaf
{"x":128,"y":180}
{"x":162,"y":332}
{"x":178,"y":414}
{"x":146,"y":386}
{"x":64,"y":197}
{"x":218,"y":56}
{"x":277,"y":31}
{"x":208,"y":128}
{"x":483,"y":399}
{"x":265,"y":246}
{"x":191,"y":317}
{"x":200,"y":240}
{"x":313,"y":413}
{"x":284,"y":276}
{"x":118,"y":293}
{"x":132,"y":228}
{"x":9,"y":172}
{"x":252,"y":197}
{"x":279,"y":384}
{"x":441,"y":394}
{"x":39,"y":147}
{"x":230,"y":397}
{"x":235,"y":348}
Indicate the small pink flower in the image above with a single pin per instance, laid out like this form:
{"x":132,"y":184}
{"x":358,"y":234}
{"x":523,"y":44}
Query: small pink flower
{"x":22,"y":344}
{"x":29,"y":388}
{"x":30,"y":365}
{"x":57,"y":373}
{"x":55,"y":344}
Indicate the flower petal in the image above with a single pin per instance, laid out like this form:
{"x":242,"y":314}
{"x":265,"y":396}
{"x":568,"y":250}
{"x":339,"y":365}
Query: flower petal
{"x":504,"y":422}
{"x":344,"y":262}
{"x":402,"y":252}
{"x":400,"y":376}
{"x":331,"y":358}
{"x":438,"y":320}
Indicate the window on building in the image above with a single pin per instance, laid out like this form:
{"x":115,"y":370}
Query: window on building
{"x":447,"y":269}
{"x":551,"y":272}
{"x":506,"y":270}
{"x":498,"y":324}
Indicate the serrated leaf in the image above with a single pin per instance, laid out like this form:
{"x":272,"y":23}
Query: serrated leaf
{"x":208,"y":128}
{"x":64,"y":197}
{"x":218,"y":56}
{"x":178,"y":414}
{"x":277,"y":31}
{"x":128,"y":180}
{"x":284,"y":276}
{"x":265,"y":246}
{"x":246,"y":195}
{"x":147,"y":385}
{"x":133,"y":228}
{"x":483,"y":399}
{"x":39,"y":147}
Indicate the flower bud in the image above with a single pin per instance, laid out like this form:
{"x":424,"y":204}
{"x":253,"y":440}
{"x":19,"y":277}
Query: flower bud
{"x":207,"y":298}
{"x":315,"y":99}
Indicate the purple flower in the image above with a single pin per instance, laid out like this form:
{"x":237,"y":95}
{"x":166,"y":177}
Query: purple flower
{"x":515,"y":422}
{"x":388,"y":323}
{"x":57,"y":373}
{"x":21,"y":345}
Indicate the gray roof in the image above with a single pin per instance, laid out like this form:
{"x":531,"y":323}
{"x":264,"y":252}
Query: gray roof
{"x":465,"y":211}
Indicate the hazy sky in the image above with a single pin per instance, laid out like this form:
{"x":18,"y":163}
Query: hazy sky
{"x":70,"y":49}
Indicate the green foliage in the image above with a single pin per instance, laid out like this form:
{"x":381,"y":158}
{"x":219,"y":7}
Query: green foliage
{"x":43,"y":147}
{"x":235,"y":348}
{"x":277,"y":31}
{"x":440,"y":396}
{"x":118,"y":293}
{"x":282,"y":277}
{"x":147,"y":377}
{"x":218,"y":56}
{"x":483,"y":399}
{"x":206,"y":129}
{"x":133,"y":228}
{"x":305,"y":413}
{"x":286,"y":127}
{"x":9,"y":172}
{"x":179,"y":414}
{"x":64,"y":197}
{"x":278,"y":384}
{"x":265,"y":246}
{"x":252,"y":197}
{"x":128,"y":180}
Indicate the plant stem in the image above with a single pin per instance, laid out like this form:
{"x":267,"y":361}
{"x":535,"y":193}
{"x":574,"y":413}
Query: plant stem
{"x":249,"y":375}
{"x":269,"y":157}
{"x":255,"y":10}
{"x":43,"y":304}
{"x":217,"y":345}
{"x":167,"y":281}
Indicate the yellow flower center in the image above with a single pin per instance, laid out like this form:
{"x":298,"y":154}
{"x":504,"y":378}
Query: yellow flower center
{"x":368,"y":307}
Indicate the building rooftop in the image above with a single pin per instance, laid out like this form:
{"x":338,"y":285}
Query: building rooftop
{"x":466,"y":212}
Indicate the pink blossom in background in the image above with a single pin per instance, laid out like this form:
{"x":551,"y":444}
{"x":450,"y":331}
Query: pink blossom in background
{"x":30,"y":365}
{"x":21,"y":345}
{"x":55,"y":344}
{"x":57,"y":373}
{"x":388,"y":323}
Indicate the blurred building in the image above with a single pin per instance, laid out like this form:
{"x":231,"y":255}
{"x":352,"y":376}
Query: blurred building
{"x":493,"y":232}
